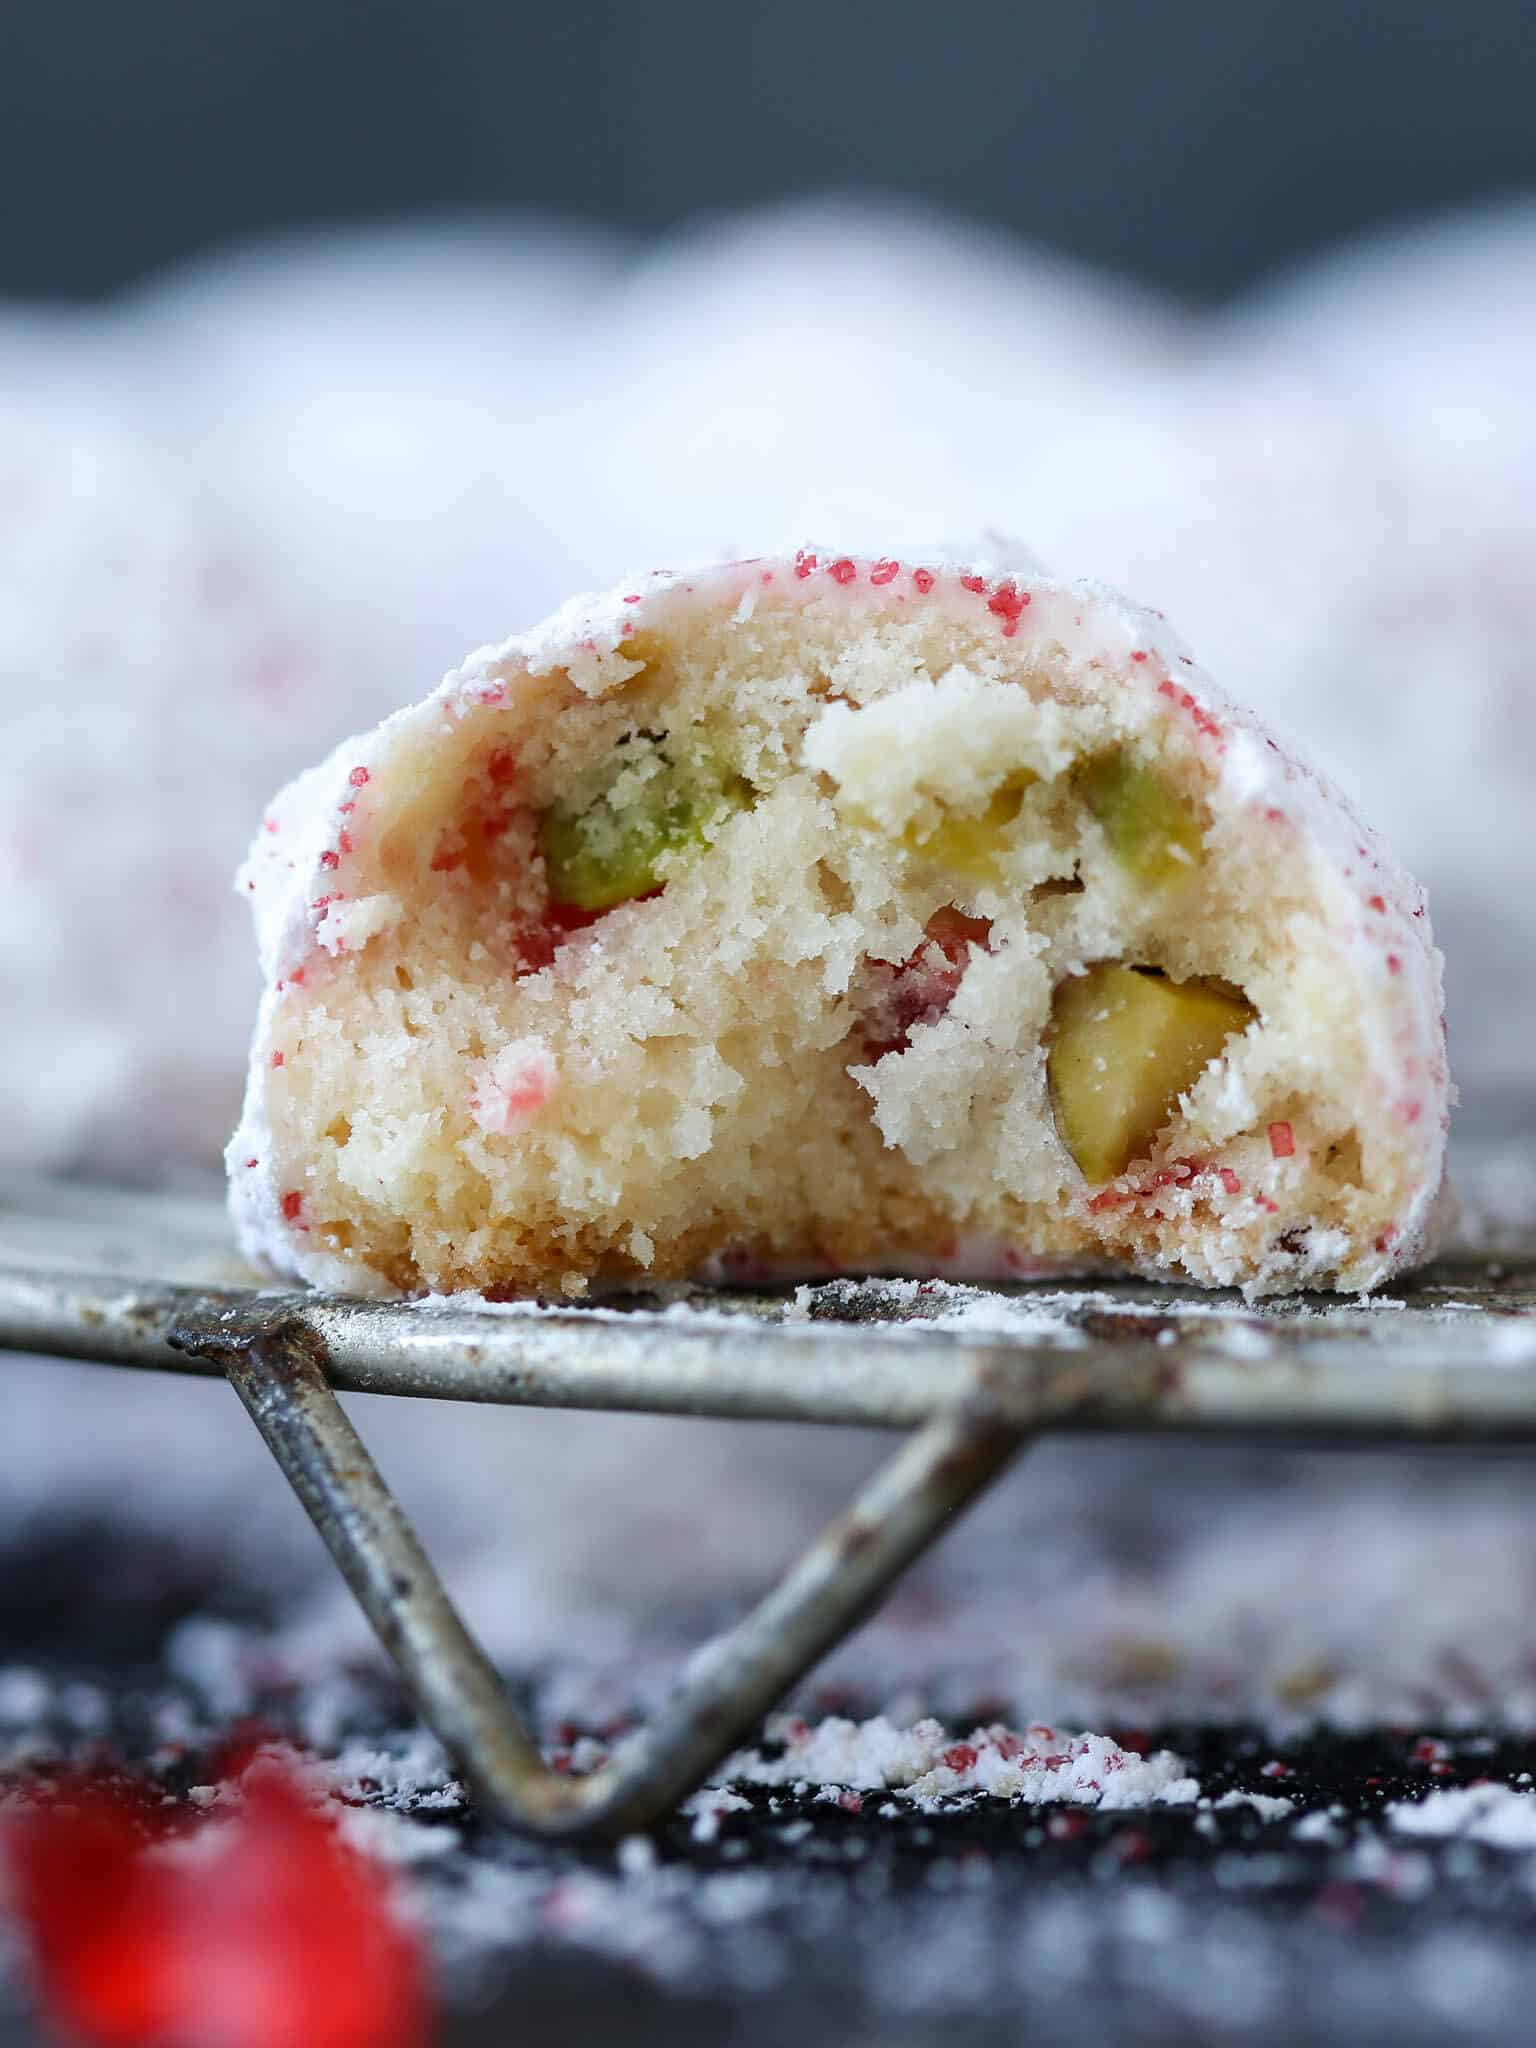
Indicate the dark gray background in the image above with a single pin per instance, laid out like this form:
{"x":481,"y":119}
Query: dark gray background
{"x":1196,"y":143}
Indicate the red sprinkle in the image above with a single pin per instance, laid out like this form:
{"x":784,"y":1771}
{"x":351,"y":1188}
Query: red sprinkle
{"x":358,"y":778}
{"x":1139,"y":654}
{"x":277,"y":1059}
{"x":1394,"y":964}
{"x":973,"y":583}
{"x":328,"y":859}
{"x":842,"y":570}
{"x":1007,"y":603}
{"x":1230,"y":1181}
{"x":253,"y":1162}
{"x":884,"y":571}
{"x":923,"y":578}
{"x":293,"y":1202}
{"x":344,"y":843}
{"x":1376,"y":902}
{"x":804,"y":564}
{"x":634,"y":598}
{"x":960,"y":1758}
{"x":1282,"y":1140}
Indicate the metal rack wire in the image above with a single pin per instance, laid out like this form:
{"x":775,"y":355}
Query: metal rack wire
{"x":152,"y":1282}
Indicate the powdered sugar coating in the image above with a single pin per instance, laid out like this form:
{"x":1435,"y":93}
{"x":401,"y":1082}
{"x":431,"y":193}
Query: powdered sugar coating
{"x":298,"y":872}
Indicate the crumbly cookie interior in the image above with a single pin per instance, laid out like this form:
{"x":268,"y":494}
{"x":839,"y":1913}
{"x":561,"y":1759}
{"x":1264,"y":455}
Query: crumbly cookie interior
{"x":769,"y":947}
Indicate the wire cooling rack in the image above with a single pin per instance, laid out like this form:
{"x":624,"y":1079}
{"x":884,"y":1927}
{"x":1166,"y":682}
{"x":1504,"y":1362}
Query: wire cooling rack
{"x":969,"y":1375}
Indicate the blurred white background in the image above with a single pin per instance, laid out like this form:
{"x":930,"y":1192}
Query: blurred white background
{"x":260,"y":502}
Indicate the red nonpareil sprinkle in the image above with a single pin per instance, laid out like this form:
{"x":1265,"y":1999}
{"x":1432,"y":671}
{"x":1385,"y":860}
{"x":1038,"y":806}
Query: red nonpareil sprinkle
{"x":1394,"y":964}
{"x":358,"y":778}
{"x":346,"y":809}
{"x":975,"y":584}
{"x":330,"y":859}
{"x":1230,"y":1181}
{"x":1138,"y":654}
{"x":961,"y":1757}
{"x":1282,"y":1140}
{"x":1275,"y":1769}
{"x":344,"y":843}
{"x":271,"y":825}
{"x":923,"y":580}
{"x":1378,"y":903}
{"x":805,"y":563}
{"x":253,"y":1162}
{"x":1187,"y":701}
{"x":281,"y":1935}
{"x":1274,"y":814}
{"x":277,"y":1059}
{"x":885,"y":571}
{"x":1007,"y":603}
{"x":633,"y":598}
{"x":626,"y":628}
{"x":297,"y":976}
{"x":293,"y":1202}
{"x":842,"y":570}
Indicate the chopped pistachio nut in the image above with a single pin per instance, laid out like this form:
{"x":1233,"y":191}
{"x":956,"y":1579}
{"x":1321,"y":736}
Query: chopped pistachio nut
{"x":1153,"y":832}
{"x":610,"y":850}
{"x":1126,"y":1044}
{"x":969,"y":843}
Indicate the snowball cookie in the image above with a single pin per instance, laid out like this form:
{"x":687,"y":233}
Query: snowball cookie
{"x":827,"y":913}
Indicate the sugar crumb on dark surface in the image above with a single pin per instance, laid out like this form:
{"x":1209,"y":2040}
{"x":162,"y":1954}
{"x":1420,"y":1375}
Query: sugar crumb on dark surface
{"x":828,"y":1916}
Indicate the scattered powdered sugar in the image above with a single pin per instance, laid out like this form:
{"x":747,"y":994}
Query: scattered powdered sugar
{"x":1500,"y":1815}
{"x":1268,"y":1806}
{"x":927,"y":1765}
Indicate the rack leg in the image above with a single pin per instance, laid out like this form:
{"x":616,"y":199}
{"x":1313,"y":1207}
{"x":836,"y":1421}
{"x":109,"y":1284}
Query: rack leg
{"x":276,"y":1366}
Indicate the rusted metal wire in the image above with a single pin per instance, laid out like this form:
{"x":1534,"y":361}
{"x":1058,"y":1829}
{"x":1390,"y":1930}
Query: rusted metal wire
{"x":277,"y":1366}
{"x":1427,"y":1369}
